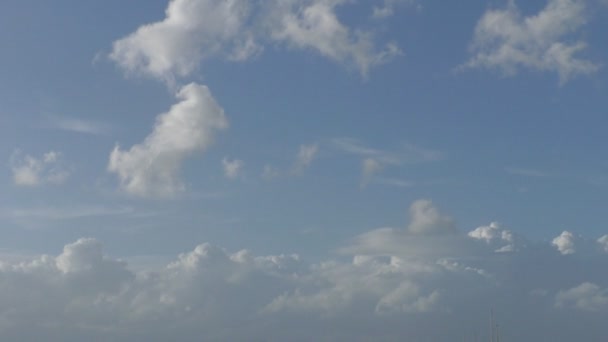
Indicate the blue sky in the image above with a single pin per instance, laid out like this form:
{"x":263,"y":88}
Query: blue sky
{"x":303,"y":126}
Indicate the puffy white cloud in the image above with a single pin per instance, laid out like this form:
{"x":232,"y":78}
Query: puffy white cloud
{"x":426,"y":219}
{"x":210,"y":293}
{"x":193,"y":30}
{"x":306,"y":154}
{"x":586,"y":297}
{"x":494,"y":234}
{"x":151,"y":168}
{"x":506,"y":40}
{"x":32,"y":171}
{"x":565,"y":243}
{"x":232,"y":168}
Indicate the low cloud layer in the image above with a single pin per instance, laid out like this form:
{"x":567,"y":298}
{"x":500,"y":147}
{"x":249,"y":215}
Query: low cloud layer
{"x":413,"y":287}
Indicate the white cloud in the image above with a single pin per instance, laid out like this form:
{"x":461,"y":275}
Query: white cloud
{"x":315,"y":25}
{"x":508,"y":41}
{"x":585,"y":297}
{"x":494,"y":234}
{"x":425,"y":218}
{"x":194,"y":30}
{"x":565,"y":243}
{"x":78,"y":125}
{"x":232,"y":168}
{"x":603,"y":241}
{"x":409,"y":291}
{"x":151,"y":168}
{"x":32,"y":171}
{"x":306,"y":154}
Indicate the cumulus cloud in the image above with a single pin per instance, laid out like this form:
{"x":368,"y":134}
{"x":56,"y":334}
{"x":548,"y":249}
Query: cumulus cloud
{"x":565,"y":243}
{"x":508,"y":41}
{"x":586,"y":297}
{"x":151,"y":168}
{"x":232,"y":168}
{"x":193,"y":30}
{"x":213,"y":294}
{"x":306,"y":154}
{"x":32,"y":171}
{"x":494,"y":234}
{"x":426,"y":219}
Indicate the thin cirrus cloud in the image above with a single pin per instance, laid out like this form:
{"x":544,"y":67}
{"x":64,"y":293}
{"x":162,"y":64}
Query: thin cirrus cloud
{"x":409,"y":286}
{"x":78,"y":125}
{"x":194,"y":30}
{"x":306,"y":155}
{"x":508,"y":41}
{"x":151,"y":168}
{"x":374,"y":160}
{"x":35,"y":171}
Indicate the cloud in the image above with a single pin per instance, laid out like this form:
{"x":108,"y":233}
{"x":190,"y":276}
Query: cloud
{"x":306,"y":154}
{"x":194,"y":30}
{"x":565,"y":243}
{"x":370,"y":167}
{"x":585,"y":297}
{"x":32,"y":171}
{"x":232,"y":168}
{"x":316,"y":26}
{"x":79,"y":125}
{"x":151,"y":168}
{"x":387,"y":9}
{"x":495,"y":235}
{"x":412,"y":287}
{"x":603,"y":241}
{"x":191,"y":31}
{"x":376,"y":160}
{"x":426,"y":219}
{"x":508,"y":41}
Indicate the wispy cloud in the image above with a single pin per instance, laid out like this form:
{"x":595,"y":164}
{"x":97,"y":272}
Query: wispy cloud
{"x":525,"y":172}
{"x":508,"y":41}
{"x":306,"y":154}
{"x":64,"y":213}
{"x":34,"y":171}
{"x":374,"y":160}
{"x":78,"y":125}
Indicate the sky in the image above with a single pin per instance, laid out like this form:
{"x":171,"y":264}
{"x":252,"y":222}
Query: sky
{"x":303,"y":170}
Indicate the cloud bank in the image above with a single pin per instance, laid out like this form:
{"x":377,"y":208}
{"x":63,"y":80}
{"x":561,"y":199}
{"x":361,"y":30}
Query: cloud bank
{"x":411,"y":286}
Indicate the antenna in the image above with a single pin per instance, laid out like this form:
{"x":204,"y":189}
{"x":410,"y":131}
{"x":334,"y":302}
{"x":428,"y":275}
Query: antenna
{"x":491,"y":325}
